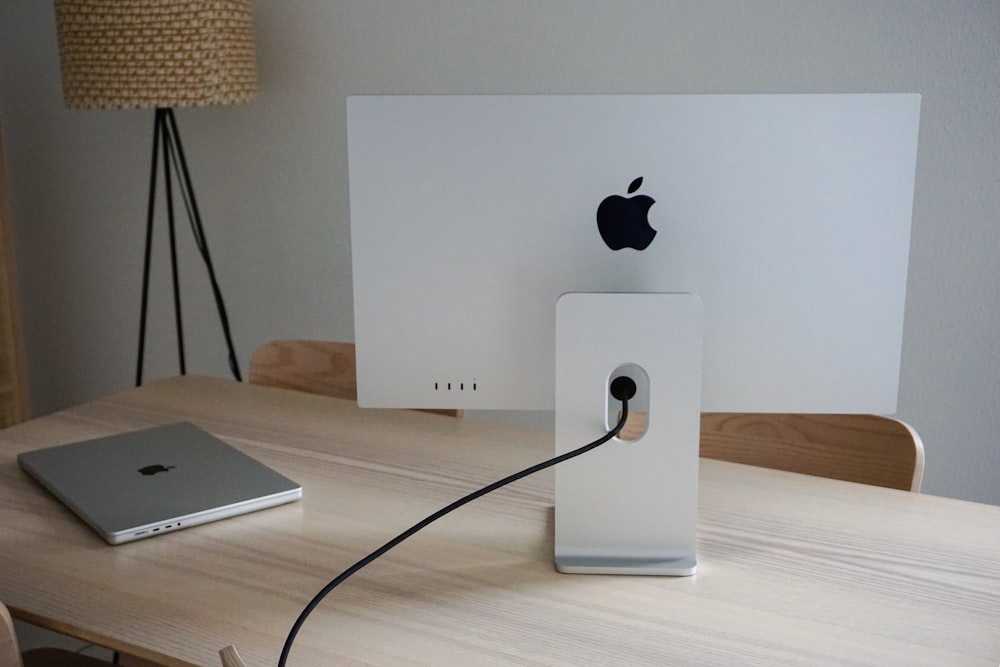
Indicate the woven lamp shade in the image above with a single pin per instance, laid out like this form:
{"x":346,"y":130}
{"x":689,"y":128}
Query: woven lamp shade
{"x":128,"y":54}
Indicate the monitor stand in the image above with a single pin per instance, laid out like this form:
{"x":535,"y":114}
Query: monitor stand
{"x":629,"y":506}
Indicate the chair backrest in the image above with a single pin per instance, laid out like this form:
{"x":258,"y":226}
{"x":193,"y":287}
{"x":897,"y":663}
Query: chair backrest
{"x":869,"y":449}
{"x":10,"y":654}
{"x":315,"y":366}
{"x":230,"y":657}
{"x":857,"y":448}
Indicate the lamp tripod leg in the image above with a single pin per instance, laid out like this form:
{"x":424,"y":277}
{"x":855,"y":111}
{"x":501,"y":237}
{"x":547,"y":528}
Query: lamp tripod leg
{"x":194,"y":216}
{"x":165,"y":132}
{"x":157,"y":126}
{"x":169,"y":151}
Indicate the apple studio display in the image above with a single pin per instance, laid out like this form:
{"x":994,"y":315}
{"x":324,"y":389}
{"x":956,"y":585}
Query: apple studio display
{"x":789,"y":215}
{"x":786,"y":216}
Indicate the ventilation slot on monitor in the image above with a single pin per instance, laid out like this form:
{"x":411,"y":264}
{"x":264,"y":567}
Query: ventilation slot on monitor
{"x":460,"y":386}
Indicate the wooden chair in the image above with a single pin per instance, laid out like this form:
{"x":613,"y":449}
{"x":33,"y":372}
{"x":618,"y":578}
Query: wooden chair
{"x":869,"y":449}
{"x":315,"y":366}
{"x":11,"y":656}
{"x":230,"y":657}
{"x":857,"y":448}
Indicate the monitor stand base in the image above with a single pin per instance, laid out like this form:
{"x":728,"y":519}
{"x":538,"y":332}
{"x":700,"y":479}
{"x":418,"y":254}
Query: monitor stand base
{"x":680,"y":567}
{"x":629,"y":506}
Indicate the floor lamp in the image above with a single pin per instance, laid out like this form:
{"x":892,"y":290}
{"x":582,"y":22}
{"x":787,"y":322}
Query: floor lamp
{"x":161,"y":54}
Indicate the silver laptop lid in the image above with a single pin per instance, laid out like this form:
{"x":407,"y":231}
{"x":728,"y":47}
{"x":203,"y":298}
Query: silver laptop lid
{"x":143,"y":483}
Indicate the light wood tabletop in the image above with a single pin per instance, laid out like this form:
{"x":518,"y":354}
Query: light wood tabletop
{"x":793,"y":570}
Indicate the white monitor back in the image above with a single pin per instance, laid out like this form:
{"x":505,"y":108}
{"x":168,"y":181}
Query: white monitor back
{"x":789,"y":215}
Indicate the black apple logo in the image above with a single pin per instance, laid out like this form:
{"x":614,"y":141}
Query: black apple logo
{"x":623,"y":221}
{"x":153,"y":469}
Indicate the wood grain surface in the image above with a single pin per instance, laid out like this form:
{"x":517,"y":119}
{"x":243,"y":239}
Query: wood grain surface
{"x":793,"y":569}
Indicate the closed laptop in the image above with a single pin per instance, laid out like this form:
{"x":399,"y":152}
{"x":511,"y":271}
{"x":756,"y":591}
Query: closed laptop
{"x":147,"y":482}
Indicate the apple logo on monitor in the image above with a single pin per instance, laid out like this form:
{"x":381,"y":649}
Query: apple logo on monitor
{"x":624,"y":222}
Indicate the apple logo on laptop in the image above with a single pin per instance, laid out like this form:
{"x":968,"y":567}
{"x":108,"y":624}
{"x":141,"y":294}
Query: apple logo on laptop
{"x":153,"y":469}
{"x":623,"y":221}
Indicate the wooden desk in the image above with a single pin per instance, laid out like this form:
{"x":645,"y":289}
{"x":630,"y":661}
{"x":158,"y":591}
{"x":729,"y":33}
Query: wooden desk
{"x":794,"y":570}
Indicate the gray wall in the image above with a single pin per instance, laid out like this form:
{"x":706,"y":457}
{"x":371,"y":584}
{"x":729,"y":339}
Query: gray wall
{"x":271,"y":177}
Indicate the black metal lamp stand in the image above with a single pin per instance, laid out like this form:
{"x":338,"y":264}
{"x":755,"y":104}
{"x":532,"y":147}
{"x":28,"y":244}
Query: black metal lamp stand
{"x":167,"y":137}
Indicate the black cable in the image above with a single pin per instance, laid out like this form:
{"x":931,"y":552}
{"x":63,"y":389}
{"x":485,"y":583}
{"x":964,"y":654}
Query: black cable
{"x":619,"y":393}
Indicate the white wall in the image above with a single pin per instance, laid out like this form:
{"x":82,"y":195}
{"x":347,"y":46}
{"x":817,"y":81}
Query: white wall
{"x":271,"y":177}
